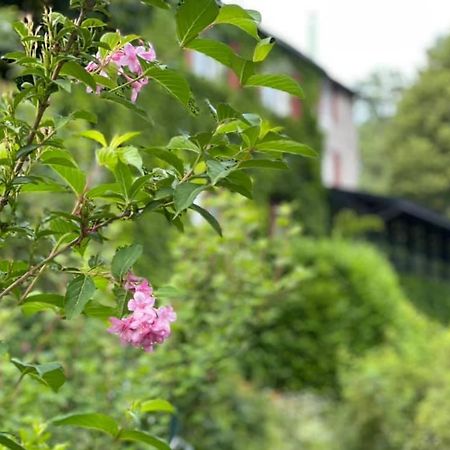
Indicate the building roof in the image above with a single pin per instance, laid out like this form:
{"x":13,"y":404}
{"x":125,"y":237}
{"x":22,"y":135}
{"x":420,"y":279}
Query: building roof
{"x":387,"y":208}
{"x":297,"y":53}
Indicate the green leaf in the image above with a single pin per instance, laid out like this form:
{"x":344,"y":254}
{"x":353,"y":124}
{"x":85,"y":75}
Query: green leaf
{"x":130,"y":155}
{"x":79,"y":291}
{"x":193,"y":16}
{"x":138,"y":184}
{"x":117,"y":141}
{"x":279,"y":82}
{"x":238,"y":17}
{"x":9,"y":443}
{"x":93,"y":421}
{"x":44,"y":187}
{"x":99,"y":311}
{"x":243,"y":69}
{"x":263,"y":48}
{"x":216,"y":50}
{"x":75,"y":70}
{"x":263,"y":164}
{"x":226,"y":112}
{"x":168,"y":157}
{"x":25,"y":151}
{"x":157,"y":3}
{"x":124,"y":259}
{"x":286,"y":146}
{"x":240,"y":182}
{"x":185,"y":194}
{"x":120,"y":100}
{"x":85,"y":115}
{"x":140,"y":436}
{"x":95,"y":135}
{"x":209,"y":218}
{"x":75,"y":178}
{"x":172,"y":81}
{"x":107,"y":157}
{"x":49,"y":374}
{"x":123,"y":176}
{"x":156,"y":405}
{"x":217,"y":170}
{"x":182,"y":143}
{"x":42,"y":302}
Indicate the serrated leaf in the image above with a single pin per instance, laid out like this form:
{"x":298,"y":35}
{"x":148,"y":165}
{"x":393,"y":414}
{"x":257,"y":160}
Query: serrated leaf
{"x":217,"y":170}
{"x":214,"y":49}
{"x":42,"y":302}
{"x":107,"y":157}
{"x":286,"y":146}
{"x":123,"y":176}
{"x":182,"y":143}
{"x":238,"y":17}
{"x":280,"y":82}
{"x":117,"y":141}
{"x":75,"y":70}
{"x":9,"y":443}
{"x":130,"y":155}
{"x":263,"y":48}
{"x":168,"y":157}
{"x":79,"y":291}
{"x":93,"y":421}
{"x":138,"y":185}
{"x":209,"y":218}
{"x":193,"y":16}
{"x":49,"y":374}
{"x":157,"y":3}
{"x":94,"y":135}
{"x":185,"y":194}
{"x":25,"y":151}
{"x":140,"y":436}
{"x":239,"y":181}
{"x":156,"y":405}
{"x":75,"y":178}
{"x":263,"y":164}
{"x":124,"y":259}
{"x":172,"y":81}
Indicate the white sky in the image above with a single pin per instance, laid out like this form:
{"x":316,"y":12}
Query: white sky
{"x":356,"y":36}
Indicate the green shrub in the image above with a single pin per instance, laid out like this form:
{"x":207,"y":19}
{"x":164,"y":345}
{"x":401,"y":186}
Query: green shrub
{"x":344,"y":307}
{"x":430,"y":296}
{"x":396,"y":397}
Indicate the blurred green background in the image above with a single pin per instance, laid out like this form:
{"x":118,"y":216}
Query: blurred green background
{"x":291,"y":333}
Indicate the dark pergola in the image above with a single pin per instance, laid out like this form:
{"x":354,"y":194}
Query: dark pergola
{"x":416,"y":239}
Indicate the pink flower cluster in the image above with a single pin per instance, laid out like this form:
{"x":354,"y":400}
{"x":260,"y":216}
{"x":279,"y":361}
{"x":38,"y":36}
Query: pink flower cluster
{"x":146,"y":325}
{"x":126,"y":58}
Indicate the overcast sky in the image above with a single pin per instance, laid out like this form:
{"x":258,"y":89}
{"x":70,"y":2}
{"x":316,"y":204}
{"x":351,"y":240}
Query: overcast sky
{"x":353,"y":37}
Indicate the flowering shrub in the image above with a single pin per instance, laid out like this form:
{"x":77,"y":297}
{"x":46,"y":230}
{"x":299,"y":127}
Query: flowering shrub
{"x":147,"y":325}
{"x":124,"y":58}
{"x":57,"y":207}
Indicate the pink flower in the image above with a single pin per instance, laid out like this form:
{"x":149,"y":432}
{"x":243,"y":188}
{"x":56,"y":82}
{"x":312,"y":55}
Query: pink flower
{"x":136,"y":88}
{"x":126,"y":57}
{"x":146,"y":325}
{"x":148,"y":55}
{"x":137,"y":284}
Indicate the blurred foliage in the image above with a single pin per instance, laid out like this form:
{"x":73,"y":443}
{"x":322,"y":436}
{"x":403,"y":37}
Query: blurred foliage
{"x":408,"y":154}
{"x":395,"y":397}
{"x":348,"y":224}
{"x":339,"y":311}
{"x":428,"y":295}
{"x":380,"y":93}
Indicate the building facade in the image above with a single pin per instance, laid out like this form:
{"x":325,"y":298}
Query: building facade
{"x":340,"y":159}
